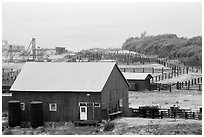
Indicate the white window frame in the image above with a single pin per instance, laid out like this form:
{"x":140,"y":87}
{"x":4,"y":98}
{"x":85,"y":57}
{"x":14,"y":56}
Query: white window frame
{"x":82,"y":103}
{"x":121,"y":103}
{"x":55,"y":107}
{"x":99,"y":105}
{"x":22,"y":106}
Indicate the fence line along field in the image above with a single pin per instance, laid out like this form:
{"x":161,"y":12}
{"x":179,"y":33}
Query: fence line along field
{"x":186,"y":98}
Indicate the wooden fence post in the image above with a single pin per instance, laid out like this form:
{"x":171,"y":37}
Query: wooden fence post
{"x":200,"y":85}
{"x":169,"y":87}
{"x":161,"y":114}
{"x":124,"y":69}
{"x":177,"y":85}
{"x":186,"y":70}
{"x":172,"y":71}
{"x":159,"y":86}
{"x":195,"y":81}
{"x":159,"y":77}
{"x":193,"y":115}
{"x":162,"y":70}
{"x":152,"y":70}
{"x":174,"y":114}
{"x":185,"y":83}
{"x":143,"y":70}
{"x":180,"y":85}
{"x":186,"y":115}
{"x":192,"y":82}
{"x":188,"y":84}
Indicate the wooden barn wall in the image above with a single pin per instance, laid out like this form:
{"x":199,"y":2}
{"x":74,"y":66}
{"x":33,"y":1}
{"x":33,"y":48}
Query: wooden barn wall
{"x":140,"y":84}
{"x":5,"y":100}
{"x":115,"y":89}
{"x":67,"y":103}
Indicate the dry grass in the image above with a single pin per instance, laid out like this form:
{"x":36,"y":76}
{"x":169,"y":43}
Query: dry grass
{"x":122,"y":126}
{"x":143,"y":126}
{"x":186,"y":98}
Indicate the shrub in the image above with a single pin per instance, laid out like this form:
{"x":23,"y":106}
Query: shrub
{"x":109,"y":126}
{"x":5,"y":114}
{"x":4,"y":125}
{"x":7,"y":132}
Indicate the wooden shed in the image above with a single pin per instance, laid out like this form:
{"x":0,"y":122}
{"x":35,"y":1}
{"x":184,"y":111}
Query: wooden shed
{"x":72,"y":91}
{"x":138,"y":81}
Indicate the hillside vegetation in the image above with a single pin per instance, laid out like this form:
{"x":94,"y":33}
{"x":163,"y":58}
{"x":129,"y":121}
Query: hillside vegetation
{"x":170,"y":46}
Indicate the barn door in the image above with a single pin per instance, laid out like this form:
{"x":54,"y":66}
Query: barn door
{"x":90,"y":109}
{"x":83,"y":112}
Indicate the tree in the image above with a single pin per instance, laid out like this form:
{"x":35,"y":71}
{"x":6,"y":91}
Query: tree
{"x":143,"y":34}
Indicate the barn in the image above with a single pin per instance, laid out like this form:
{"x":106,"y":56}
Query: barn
{"x":138,"y":81}
{"x":72,"y":91}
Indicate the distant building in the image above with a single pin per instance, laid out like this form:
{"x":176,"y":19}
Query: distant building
{"x":72,"y":91}
{"x":60,"y":50}
{"x":107,"y":60}
{"x":138,"y":81}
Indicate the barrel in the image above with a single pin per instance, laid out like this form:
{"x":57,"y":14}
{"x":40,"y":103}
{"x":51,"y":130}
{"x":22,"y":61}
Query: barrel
{"x":143,"y":111}
{"x":14,"y":113}
{"x":36,"y":114}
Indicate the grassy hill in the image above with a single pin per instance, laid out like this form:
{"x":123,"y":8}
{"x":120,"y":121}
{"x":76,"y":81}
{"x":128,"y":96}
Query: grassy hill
{"x":168,"y":46}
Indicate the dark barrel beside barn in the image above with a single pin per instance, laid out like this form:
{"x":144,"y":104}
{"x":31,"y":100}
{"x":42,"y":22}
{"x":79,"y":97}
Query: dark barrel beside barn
{"x":14,"y":113}
{"x":36,"y":114}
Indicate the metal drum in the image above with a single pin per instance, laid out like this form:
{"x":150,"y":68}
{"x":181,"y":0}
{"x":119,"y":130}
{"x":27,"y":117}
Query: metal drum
{"x":36,"y":114}
{"x":14,"y":113}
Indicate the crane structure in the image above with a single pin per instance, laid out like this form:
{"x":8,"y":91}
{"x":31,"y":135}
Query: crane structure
{"x":31,"y":50}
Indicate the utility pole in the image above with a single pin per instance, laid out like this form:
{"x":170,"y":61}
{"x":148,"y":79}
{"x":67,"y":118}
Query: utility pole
{"x":10,"y":53}
{"x":34,"y":48}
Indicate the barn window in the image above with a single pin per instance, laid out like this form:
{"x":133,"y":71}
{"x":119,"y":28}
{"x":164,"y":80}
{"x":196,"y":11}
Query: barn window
{"x":96,"y":104}
{"x":53,"y":106}
{"x":22,"y":106}
{"x":82,"y":104}
{"x":83,"y":109}
{"x":120,"y":103}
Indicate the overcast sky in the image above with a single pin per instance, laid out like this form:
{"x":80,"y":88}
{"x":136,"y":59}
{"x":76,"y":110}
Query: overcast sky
{"x":79,"y":26}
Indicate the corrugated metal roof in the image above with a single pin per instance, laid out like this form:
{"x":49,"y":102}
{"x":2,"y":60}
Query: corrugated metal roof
{"x":136,"y":76}
{"x":55,"y":76}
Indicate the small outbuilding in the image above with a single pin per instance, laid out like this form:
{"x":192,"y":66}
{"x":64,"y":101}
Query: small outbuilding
{"x":138,"y":81}
{"x":72,"y":91}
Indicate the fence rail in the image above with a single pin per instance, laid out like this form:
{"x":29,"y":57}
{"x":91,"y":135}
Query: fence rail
{"x":167,"y":113}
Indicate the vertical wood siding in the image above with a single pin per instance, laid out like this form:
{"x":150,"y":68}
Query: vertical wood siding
{"x":67,"y":103}
{"x":115,"y":89}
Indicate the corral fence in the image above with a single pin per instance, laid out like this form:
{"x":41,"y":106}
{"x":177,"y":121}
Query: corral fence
{"x":173,"y":112}
{"x":187,"y":85}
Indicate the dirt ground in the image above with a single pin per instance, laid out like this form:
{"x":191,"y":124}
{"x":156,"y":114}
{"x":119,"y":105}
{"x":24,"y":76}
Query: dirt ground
{"x":120,"y":126}
{"x":142,"y":126}
{"x":186,"y":98}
